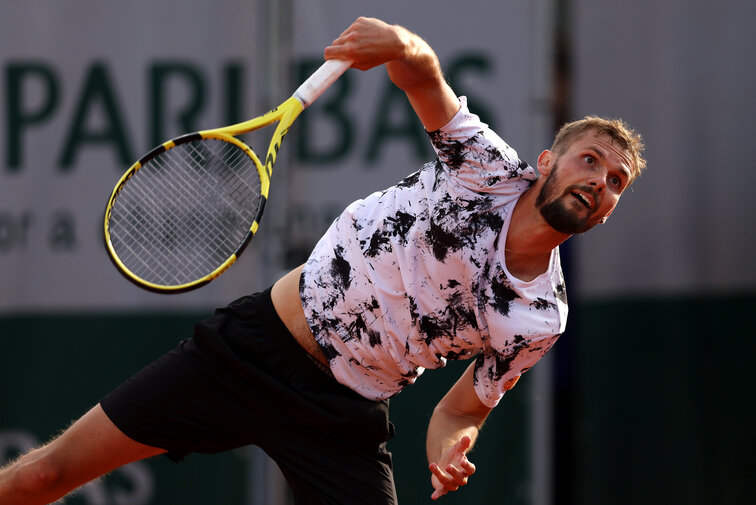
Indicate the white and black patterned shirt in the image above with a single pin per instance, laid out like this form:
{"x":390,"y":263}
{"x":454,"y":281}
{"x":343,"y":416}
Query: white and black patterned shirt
{"x":414,"y":275}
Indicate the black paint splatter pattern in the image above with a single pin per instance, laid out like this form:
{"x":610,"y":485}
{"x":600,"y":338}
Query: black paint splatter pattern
{"x":415,"y":275}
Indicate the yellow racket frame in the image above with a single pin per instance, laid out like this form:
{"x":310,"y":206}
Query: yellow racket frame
{"x":285,"y":114}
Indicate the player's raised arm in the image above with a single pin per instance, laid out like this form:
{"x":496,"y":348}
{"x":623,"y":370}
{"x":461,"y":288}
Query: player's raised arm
{"x":411,"y":64}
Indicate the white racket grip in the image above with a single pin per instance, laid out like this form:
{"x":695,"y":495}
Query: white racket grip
{"x":319,"y":81}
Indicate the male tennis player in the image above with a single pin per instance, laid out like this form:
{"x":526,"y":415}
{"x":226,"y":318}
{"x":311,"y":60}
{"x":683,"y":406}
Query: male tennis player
{"x":458,"y":260}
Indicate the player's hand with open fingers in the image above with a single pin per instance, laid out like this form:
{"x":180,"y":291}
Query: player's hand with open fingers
{"x":452,"y":470}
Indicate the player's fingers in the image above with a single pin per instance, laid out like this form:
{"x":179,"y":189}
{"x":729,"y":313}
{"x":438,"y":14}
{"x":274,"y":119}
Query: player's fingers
{"x":437,"y":472}
{"x":438,"y":493}
{"x":458,"y":477}
{"x":436,"y":481}
{"x":354,"y":26}
{"x":444,"y":480}
{"x":342,"y":49}
{"x":341,"y":44}
{"x":449,"y":480}
{"x":464,"y":444}
{"x":352,"y":33}
{"x":468,"y":466}
{"x":457,"y":451}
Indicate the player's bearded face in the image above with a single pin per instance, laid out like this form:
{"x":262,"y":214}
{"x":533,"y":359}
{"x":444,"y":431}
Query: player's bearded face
{"x":552,"y":203}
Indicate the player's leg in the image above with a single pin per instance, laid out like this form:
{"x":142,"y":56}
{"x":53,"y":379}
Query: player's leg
{"x":90,"y":447}
{"x":330,"y":471}
{"x":329,"y":442}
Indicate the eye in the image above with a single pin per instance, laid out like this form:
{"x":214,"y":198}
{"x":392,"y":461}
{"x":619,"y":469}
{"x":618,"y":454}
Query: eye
{"x":590,"y":160}
{"x":615,"y":181}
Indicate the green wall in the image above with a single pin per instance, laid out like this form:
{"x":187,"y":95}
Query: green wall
{"x":665,"y":409}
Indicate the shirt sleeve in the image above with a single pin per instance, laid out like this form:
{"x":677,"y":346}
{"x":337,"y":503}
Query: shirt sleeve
{"x":496,"y":373}
{"x":477,"y":157}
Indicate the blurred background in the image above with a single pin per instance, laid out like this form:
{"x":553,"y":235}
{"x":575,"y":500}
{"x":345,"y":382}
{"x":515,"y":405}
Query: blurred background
{"x":648,"y":397}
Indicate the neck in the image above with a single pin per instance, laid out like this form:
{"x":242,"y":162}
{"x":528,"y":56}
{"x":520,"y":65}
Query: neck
{"x":530,"y":239}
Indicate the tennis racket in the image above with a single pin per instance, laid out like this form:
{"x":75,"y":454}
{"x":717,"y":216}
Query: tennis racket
{"x":181,"y":216}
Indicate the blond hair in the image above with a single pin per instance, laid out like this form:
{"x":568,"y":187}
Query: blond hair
{"x":625,"y":137}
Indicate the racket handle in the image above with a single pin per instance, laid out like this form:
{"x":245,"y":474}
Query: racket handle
{"x":319,"y":81}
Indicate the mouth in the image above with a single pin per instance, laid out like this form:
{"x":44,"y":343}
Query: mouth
{"x":586,"y":199}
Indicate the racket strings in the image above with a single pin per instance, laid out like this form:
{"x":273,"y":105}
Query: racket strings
{"x":185,"y":212}
{"x":168,"y":233}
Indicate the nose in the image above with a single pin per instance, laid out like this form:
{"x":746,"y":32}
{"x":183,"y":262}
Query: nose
{"x":598,"y":182}
{"x":597,"y":186}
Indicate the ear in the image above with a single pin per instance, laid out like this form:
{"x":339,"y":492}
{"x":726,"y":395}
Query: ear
{"x":546,"y":162}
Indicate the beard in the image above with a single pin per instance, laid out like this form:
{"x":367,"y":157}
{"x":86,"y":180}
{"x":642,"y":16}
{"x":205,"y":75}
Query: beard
{"x":555,"y":210}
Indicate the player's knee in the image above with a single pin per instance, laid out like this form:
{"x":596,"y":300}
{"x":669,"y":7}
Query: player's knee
{"x":37,"y":473}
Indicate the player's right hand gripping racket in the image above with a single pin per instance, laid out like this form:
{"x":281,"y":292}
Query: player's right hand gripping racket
{"x":181,"y":215}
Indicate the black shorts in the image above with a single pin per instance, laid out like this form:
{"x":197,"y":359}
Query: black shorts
{"x":242,"y":379}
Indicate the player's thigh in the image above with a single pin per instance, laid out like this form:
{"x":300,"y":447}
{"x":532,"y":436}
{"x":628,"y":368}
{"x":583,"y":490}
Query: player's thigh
{"x":326,"y":470}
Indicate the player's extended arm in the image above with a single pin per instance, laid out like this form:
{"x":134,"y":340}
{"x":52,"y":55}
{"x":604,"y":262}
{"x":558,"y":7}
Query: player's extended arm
{"x":452,"y":431}
{"x":411,"y":64}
